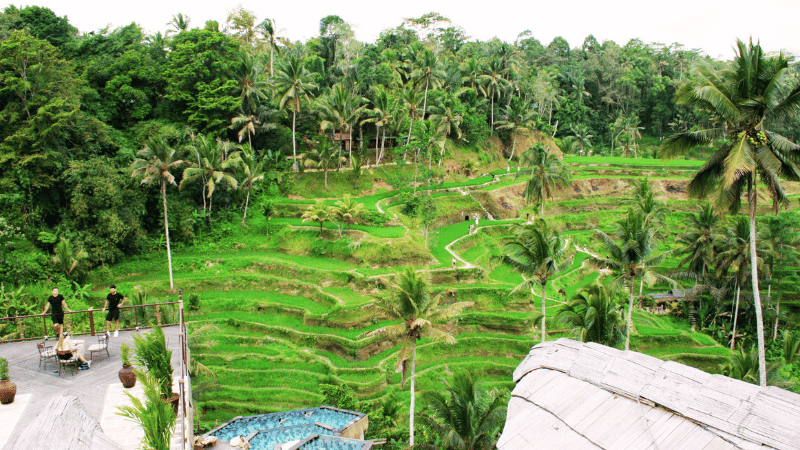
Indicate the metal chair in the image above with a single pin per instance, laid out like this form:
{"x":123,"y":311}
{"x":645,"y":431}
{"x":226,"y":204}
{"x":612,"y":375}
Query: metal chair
{"x":46,"y":353}
{"x":72,"y":362}
{"x":102,"y":345}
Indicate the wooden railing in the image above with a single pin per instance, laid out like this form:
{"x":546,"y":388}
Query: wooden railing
{"x":90,"y":321}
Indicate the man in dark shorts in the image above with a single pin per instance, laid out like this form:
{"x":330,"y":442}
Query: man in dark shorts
{"x":59,"y":305}
{"x":113,"y":301}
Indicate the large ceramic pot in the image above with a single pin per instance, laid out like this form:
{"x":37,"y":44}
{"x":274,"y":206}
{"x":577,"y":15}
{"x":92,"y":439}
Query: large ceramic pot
{"x":8,"y":391}
{"x":127,"y":377}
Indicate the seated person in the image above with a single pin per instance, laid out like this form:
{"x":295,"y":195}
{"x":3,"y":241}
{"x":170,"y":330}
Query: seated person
{"x":65,"y":345}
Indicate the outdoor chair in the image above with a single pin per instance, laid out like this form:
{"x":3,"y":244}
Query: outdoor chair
{"x":71,"y":363}
{"x":101,"y":346}
{"x":46,"y":353}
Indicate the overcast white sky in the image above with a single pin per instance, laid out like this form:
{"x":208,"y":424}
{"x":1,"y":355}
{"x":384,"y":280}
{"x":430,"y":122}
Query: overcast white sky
{"x":712,"y":25}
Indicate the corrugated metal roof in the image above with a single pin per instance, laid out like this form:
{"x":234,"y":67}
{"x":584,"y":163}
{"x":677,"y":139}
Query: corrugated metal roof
{"x":573,"y":395}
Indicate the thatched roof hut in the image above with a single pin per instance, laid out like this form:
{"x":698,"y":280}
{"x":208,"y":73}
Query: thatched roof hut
{"x":573,"y":395}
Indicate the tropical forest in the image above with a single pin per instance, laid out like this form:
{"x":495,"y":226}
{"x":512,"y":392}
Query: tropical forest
{"x":389,"y":227}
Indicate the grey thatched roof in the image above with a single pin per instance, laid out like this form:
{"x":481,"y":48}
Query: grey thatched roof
{"x":573,"y":395}
{"x":63,"y":425}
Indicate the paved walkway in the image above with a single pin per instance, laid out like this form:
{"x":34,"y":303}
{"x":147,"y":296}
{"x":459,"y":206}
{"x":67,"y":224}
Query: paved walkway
{"x":98,"y":388}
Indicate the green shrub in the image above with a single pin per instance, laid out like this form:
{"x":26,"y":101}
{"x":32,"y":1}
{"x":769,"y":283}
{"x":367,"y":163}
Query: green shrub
{"x":194,"y":302}
{"x":3,"y":369}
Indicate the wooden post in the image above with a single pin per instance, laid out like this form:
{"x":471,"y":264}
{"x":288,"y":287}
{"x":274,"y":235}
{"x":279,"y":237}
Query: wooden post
{"x":91,"y":322}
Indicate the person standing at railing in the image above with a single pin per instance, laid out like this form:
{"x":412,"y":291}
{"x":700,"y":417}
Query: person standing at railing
{"x":59,"y":305}
{"x":113,"y":301}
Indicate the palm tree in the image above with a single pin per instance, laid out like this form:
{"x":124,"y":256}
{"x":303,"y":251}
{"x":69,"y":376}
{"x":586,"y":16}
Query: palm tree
{"x":492,"y":85}
{"x":546,"y":172}
{"x":178,"y":23}
{"x":734,"y":254}
{"x":593,"y":316}
{"x":341,"y":109}
{"x":428,"y":69}
{"x":467,"y":418}
{"x":581,"y":137}
{"x":253,"y":170}
{"x":348,"y":210}
{"x":411,"y":99}
{"x":745,"y":98}
{"x":698,"y":241}
{"x":322,"y":156}
{"x":155,"y":163}
{"x":271,"y":41}
{"x":632,"y":257}
{"x":537,"y":253}
{"x":318,"y":212}
{"x":67,"y":257}
{"x":294,"y":83}
{"x":472,"y":70}
{"x":382,"y":112}
{"x":447,"y":119}
{"x":212,"y":168}
{"x":250,"y":87}
{"x":426,"y":136}
{"x":520,"y":115}
{"x":410,"y":300}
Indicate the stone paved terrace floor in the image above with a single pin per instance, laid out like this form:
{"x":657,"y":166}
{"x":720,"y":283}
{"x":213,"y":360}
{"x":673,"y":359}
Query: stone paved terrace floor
{"x":98,"y":388}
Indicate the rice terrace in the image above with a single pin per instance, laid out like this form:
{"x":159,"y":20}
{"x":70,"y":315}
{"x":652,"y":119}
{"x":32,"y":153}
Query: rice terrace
{"x":360,"y":230}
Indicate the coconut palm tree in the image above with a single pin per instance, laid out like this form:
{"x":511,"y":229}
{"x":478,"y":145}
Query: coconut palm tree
{"x":250,"y":86}
{"x":471,"y":72}
{"x":253,"y":170}
{"x":411,"y":98}
{"x":447,"y":119}
{"x":520,"y":115}
{"x":410,"y":300}
{"x":318,"y":212}
{"x":341,"y":109}
{"x":493,"y":84}
{"x":466,"y":417}
{"x":323,"y":156}
{"x":546,"y":172}
{"x":213,"y":168}
{"x":67,"y":256}
{"x":734,"y":255}
{"x":581,"y":138}
{"x":698,"y":241}
{"x":271,"y":40}
{"x":294,"y":84}
{"x":537,"y":253}
{"x":633,"y":256}
{"x":428,"y":70}
{"x":594,"y":316}
{"x":348,"y":210}
{"x":154,"y":163}
{"x":745,"y":98}
{"x":384,"y":106}
{"x":178,"y":23}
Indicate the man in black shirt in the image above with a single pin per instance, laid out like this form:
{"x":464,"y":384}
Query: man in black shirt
{"x":59,"y":305}
{"x":113,"y":301}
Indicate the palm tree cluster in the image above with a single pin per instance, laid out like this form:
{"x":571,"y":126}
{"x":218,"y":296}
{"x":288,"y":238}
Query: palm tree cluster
{"x":745,"y":99}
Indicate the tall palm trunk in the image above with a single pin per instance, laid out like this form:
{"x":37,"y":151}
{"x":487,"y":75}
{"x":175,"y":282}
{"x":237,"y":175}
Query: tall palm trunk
{"x":294,"y":142}
{"x":491,"y":128}
{"x":630,"y":316}
{"x":513,"y":143}
{"x":544,"y":301}
{"x":246,"y":203}
{"x":383,"y":142}
{"x":762,"y":358}
{"x":413,"y":396}
{"x":166,"y":233}
{"x":735,"y":315}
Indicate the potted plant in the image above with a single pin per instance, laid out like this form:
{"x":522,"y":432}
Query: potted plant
{"x":126,"y":375}
{"x":8,"y":390}
{"x":152,"y":352}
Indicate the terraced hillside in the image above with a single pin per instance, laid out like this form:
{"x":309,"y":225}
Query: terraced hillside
{"x":282,"y":311}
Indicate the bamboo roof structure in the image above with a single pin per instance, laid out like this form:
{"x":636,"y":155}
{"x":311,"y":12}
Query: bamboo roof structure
{"x":574,"y":395}
{"x":63,"y":424}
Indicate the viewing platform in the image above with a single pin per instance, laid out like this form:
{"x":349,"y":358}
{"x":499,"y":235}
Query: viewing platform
{"x":98,"y":390}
